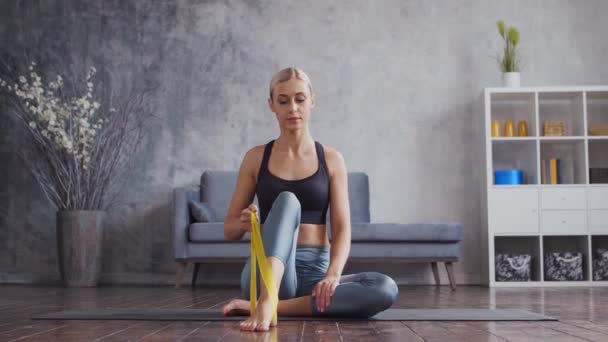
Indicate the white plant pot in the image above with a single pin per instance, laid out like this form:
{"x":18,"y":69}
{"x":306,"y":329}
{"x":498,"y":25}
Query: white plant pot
{"x":510,"y":79}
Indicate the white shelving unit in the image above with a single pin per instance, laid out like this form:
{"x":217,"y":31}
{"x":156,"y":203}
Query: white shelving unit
{"x":535,"y":218}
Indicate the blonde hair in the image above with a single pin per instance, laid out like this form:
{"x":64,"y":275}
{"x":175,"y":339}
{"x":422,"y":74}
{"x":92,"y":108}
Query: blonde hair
{"x":287,"y":74}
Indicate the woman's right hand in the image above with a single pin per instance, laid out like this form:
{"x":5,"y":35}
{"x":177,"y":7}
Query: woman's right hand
{"x":246,"y":217}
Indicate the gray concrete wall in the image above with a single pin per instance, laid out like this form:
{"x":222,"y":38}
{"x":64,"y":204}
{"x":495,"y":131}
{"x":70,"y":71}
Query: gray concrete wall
{"x":398,"y":92}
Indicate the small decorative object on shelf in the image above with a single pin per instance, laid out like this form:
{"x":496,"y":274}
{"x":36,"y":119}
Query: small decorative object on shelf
{"x":598,"y":175}
{"x":495,"y":129}
{"x":509,"y":130}
{"x":522,"y":128}
{"x":509,"y":62}
{"x":509,"y":177}
{"x":513,"y":267}
{"x":600,"y":264}
{"x":554,"y":128}
{"x":564,"y":266}
{"x":598,"y":130}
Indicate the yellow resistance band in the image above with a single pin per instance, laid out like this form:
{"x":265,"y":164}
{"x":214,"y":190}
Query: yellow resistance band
{"x":257,"y":252}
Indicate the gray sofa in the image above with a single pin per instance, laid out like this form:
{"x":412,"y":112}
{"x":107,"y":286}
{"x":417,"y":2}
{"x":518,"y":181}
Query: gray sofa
{"x":197,"y":242}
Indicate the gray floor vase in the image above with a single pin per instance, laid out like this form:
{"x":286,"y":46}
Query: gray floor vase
{"x":464,"y":314}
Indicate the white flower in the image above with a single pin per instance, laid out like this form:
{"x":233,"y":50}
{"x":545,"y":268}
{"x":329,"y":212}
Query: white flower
{"x":22,"y":79}
{"x":90,"y":84}
{"x":32,"y":124}
{"x":96,"y":105}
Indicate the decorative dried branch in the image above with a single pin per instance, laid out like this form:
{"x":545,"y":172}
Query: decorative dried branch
{"x":77,"y":149}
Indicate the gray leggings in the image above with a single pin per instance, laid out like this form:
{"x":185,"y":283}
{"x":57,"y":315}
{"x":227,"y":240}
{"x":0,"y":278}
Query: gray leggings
{"x":358,"y":295}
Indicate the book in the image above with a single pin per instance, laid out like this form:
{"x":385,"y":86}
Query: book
{"x":553,"y":170}
{"x":543,"y":171}
{"x":559,"y":172}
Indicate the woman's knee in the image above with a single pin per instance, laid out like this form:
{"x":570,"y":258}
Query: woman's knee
{"x":287,"y":199}
{"x":387,"y":290}
{"x":383,"y":291}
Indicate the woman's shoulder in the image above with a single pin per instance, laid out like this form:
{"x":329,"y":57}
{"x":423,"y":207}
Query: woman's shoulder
{"x":254,"y":155}
{"x":333,"y":158}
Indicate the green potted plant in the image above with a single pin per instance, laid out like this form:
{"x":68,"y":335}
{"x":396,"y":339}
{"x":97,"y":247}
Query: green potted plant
{"x":509,"y":62}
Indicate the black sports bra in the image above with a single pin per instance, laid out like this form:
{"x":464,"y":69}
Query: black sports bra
{"x":312,"y":191}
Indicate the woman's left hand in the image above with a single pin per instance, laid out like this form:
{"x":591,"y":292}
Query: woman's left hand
{"x":324,"y":290}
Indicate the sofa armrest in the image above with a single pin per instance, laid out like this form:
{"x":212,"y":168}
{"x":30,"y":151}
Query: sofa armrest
{"x":180,"y":218}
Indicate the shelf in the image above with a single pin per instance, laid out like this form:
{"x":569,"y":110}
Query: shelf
{"x":518,"y":247}
{"x":542,"y":186}
{"x":514,"y":186}
{"x":599,"y":259}
{"x":597,"y":109}
{"x":502,"y":234}
{"x":571,"y":155}
{"x":515,"y":107}
{"x":513,"y":139}
{"x":563,"y":138}
{"x":562,"y":106}
{"x":598,"y":161}
{"x":539,"y":219}
{"x":520,"y":154}
{"x":562,"y":244}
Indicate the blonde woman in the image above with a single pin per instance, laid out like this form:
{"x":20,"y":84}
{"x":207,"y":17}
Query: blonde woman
{"x":297,"y":180}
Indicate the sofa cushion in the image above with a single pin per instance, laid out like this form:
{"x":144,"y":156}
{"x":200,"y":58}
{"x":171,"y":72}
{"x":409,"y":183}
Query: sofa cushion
{"x":397,"y":232}
{"x":201,"y":211}
{"x":361,"y":232}
{"x":410,"y":250}
{"x":210,"y":232}
{"x":217,"y":188}
{"x":358,"y":197}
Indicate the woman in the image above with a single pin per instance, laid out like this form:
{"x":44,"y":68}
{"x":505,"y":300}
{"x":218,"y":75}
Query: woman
{"x":296,"y":180}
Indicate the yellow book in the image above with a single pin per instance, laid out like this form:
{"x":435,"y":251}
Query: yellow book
{"x":553,"y":170}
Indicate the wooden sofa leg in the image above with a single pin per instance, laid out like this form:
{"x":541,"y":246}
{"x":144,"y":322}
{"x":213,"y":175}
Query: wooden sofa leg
{"x":450,"y":269}
{"x":197,"y":266}
{"x":435,"y":272}
{"x":181,"y":266}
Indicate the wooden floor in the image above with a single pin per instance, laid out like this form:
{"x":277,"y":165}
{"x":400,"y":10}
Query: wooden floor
{"x":583,"y":314}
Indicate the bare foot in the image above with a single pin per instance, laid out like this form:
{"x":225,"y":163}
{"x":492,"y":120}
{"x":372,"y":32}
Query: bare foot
{"x":261,"y":320}
{"x":236,"y":307}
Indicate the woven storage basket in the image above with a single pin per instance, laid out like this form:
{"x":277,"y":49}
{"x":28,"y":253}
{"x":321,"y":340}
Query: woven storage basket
{"x":554,"y":128}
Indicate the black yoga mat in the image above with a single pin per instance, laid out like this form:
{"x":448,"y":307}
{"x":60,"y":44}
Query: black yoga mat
{"x":464,"y":314}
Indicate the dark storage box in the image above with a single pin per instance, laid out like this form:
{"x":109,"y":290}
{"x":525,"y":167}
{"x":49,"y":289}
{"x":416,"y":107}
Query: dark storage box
{"x":510,"y":267}
{"x":563,"y":266}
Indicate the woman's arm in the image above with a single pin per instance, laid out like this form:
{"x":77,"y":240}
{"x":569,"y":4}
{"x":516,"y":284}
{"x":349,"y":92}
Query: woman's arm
{"x":339,"y":213}
{"x":243,"y":194}
{"x":340,"y":229}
